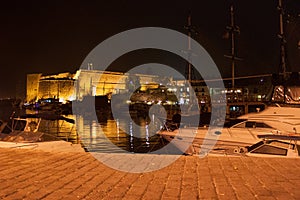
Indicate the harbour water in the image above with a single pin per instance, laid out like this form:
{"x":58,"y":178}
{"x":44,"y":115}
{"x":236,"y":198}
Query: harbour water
{"x":113,"y":135}
{"x":118,"y":136}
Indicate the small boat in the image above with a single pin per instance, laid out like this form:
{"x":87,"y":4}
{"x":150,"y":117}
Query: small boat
{"x":20,"y":124}
{"x":23,"y":132}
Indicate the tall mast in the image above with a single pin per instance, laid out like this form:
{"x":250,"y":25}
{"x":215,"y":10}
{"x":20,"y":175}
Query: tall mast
{"x":281,"y":36}
{"x":190,"y":29}
{"x":232,"y":29}
{"x":189,"y":47}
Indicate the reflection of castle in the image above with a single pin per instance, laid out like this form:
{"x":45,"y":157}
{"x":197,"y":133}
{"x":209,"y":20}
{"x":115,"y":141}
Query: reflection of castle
{"x":67,"y":86}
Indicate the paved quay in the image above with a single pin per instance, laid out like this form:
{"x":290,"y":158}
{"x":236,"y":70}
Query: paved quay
{"x":32,"y":174}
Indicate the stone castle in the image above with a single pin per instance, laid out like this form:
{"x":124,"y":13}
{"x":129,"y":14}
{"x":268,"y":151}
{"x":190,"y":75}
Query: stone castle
{"x":69,"y":87}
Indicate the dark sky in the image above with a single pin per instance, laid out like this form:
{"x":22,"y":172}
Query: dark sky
{"x":55,"y":36}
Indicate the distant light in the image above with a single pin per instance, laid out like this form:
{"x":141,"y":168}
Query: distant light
{"x":181,"y":101}
{"x":71,"y":98}
{"x":62,"y":100}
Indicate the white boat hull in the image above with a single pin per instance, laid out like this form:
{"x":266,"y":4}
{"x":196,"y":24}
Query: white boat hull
{"x":203,"y":140}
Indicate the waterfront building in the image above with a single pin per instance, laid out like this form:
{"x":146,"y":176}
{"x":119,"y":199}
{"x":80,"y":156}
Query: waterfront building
{"x":88,"y":82}
{"x":68,"y":86}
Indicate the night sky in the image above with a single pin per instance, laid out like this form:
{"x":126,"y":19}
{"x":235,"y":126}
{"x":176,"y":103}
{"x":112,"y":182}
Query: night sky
{"x":55,"y":36}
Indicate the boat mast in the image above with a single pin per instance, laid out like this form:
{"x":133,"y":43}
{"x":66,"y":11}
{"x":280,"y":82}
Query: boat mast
{"x":190,"y":29}
{"x":282,"y":38}
{"x":189,"y":47}
{"x":232,"y":30}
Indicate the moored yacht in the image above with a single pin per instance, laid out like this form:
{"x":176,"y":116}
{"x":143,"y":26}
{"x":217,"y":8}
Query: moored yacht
{"x":274,"y":120}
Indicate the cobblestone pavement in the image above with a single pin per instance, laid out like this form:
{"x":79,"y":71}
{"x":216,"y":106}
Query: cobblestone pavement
{"x":31,"y":174}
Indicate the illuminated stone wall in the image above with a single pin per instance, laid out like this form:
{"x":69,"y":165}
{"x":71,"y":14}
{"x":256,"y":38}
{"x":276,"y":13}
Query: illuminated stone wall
{"x":60,"y":88}
{"x":32,"y":86}
{"x":51,"y":86}
{"x":68,"y":86}
{"x":93,"y":82}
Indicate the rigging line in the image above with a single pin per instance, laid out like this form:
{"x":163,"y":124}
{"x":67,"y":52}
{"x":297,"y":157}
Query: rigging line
{"x":241,"y":77}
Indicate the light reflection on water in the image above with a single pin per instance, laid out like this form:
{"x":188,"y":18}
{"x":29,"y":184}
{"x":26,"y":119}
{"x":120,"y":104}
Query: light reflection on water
{"x":118,"y":135}
{"x":113,"y":136}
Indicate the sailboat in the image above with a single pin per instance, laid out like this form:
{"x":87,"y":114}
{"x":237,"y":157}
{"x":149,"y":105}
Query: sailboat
{"x":280,"y":119}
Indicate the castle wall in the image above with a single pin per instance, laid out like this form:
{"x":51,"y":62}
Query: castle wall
{"x":93,"y":82}
{"x":56,"y":88}
{"x":32,"y":86}
{"x":68,"y":86}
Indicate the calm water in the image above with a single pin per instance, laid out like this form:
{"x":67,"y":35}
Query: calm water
{"x":109,"y":136}
{"x":118,"y":135}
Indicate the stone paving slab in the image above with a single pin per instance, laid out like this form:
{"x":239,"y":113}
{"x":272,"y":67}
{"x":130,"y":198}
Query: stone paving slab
{"x":32,"y":174}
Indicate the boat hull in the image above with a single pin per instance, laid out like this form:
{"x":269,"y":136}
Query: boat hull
{"x":203,"y":140}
